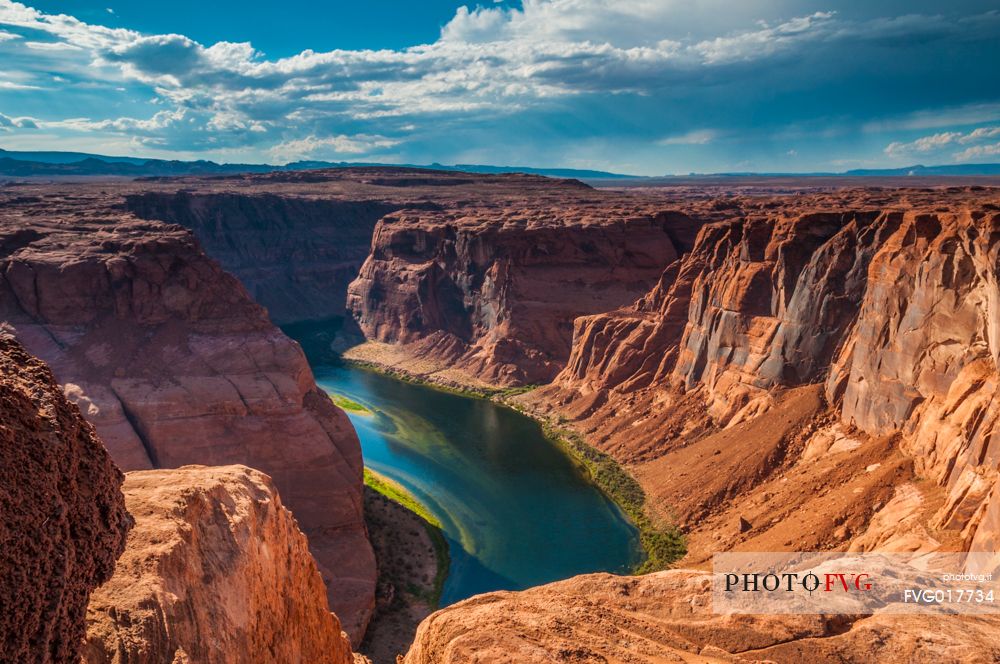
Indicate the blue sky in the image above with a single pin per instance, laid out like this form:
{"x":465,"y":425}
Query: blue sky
{"x":644,"y":86}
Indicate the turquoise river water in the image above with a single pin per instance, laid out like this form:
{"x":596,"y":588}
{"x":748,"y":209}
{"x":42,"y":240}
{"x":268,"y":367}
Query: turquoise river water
{"x":515,"y":510}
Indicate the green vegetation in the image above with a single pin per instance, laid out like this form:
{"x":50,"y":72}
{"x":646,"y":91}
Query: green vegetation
{"x":349,"y":404}
{"x":397,"y":493}
{"x":663,"y":544}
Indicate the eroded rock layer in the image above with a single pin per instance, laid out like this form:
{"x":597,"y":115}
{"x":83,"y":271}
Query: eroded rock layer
{"x":62,"y":514}
{"x":174,"y":364}
{"x":216,"y":570}
{"x":296,"y":240}
{"x":667,"y":617}
{"x":493,"y":291}
{"x":880,"y":304}
{"x":295,"y":255}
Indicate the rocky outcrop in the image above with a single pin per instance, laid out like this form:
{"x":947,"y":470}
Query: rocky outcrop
{"x":493,"y":292}
{"x":174,"y":364}
{"x":215,"y":571}
{"x":667,"y":617}
{"x":62,"y":514}
{"x":885,"y":299}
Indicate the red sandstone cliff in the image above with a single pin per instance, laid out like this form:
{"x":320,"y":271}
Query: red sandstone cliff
{"x":296,"y":240}
{"x":877,"y":308}
{"x":174,"y":364}
{"x":215,"y":571}
{"x":490,"y":293}
{"x":62,"y":514}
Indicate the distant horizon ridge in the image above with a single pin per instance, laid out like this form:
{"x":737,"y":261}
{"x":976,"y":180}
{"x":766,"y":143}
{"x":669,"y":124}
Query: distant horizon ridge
{"x":28,"y":163}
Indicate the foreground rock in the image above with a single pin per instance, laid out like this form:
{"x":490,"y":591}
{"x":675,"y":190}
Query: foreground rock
{"x":62,"y":514}
{"x":174,"y":364}
{"x":666,"y":618}
{"x":215,"y":571}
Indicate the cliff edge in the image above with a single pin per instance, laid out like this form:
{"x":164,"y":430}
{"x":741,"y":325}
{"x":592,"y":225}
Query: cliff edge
{"x":215,"y":571}
{"x":62,"y":514}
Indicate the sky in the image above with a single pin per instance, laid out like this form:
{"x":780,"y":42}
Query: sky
{"x":648,"y":87}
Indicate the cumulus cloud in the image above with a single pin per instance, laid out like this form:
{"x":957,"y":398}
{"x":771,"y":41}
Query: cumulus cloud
{"x":329,"y":147}
{"x":978,"y":152}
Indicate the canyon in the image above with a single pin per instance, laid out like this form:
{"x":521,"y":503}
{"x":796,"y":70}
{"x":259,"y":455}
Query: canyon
{"x":781,"y":366}
{"x":494,"y":268}
{"x":833,"y":356}
{"x":174,"y":364}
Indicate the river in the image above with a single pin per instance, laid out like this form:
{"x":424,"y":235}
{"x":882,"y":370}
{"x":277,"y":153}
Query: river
{"x":515,"y":509}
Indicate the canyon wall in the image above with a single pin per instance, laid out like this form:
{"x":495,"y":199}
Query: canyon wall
{"x":174,"y":364}
{"x":493,"y":291}
{"x":62,"y":514}
{"x":883,"y":302}
{"x":215,"y":571}
{"x":295,"y":255}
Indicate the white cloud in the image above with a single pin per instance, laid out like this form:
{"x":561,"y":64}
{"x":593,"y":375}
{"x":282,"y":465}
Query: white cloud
{"x":978,"y":151}
{"x":695,"y":137}
{"x":937,"y":142}
{"x":329,"y":147}
{"x":52,"y":46}
{"x":13,"y":85}
{"x":487,"y":62}
{"x":7,"y":123}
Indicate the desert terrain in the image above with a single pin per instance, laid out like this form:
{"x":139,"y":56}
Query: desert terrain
{"x":780,"y":365}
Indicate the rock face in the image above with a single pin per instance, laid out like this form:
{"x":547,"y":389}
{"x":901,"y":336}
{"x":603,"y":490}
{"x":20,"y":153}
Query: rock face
{"x":215,"y":571}
{"x":494,"y":292}
{"x":883,"y":302}
{"x":174,"y":364}
{"x":296,"y":240}
{"x":667,"y":617}
{"x":62,"y":514}
{"x":295,"y":255}
{"x":479,"y":274}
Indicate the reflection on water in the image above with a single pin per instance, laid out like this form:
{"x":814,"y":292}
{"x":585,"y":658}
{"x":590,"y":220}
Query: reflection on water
{"x":514,"y":509}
